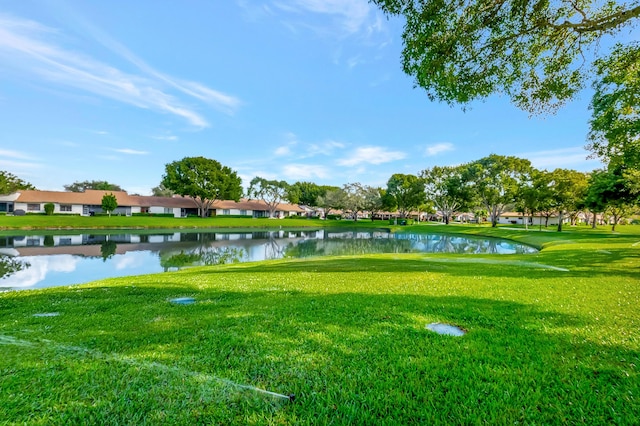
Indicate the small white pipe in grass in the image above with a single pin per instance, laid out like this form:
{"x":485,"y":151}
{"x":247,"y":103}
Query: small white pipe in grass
{"x":10,"y":340}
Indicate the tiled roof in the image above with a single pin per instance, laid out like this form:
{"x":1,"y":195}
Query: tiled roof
{"x":89,"y":197}
{"x":170,"y":202}
{"x":94,"y":198}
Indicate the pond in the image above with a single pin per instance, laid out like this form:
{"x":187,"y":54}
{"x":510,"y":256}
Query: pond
{"x":52,"y":259}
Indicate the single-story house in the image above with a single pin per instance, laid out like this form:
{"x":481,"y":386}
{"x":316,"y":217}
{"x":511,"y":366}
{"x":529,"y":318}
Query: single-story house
{"x":7,"y":202}
{"x":254,"y":208}
{"x":90,"y":202}
{"x":515,"y":218}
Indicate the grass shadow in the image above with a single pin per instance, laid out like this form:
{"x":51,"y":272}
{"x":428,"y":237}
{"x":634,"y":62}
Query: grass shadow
{"x":350,"y":357}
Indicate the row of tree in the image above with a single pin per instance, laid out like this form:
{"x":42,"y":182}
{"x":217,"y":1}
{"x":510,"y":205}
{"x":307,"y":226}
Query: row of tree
{"x":487,"y":187}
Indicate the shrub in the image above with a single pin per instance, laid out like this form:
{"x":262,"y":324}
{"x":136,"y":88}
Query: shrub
{"x":234,"y":216}
{"x":48,"y":241}
{"x":49,"y":208}
{"x":334,"y":217}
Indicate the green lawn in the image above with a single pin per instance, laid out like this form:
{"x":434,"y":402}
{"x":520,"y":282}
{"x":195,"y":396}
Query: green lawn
{"x":552,"y":338}
{"x":88,"y":222}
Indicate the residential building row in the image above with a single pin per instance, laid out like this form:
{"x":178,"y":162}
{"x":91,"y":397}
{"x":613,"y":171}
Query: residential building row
{"x":89,"y":202}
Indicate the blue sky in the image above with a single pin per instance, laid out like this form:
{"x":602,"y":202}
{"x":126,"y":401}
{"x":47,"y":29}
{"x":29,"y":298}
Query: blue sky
{"x":285,"y":89}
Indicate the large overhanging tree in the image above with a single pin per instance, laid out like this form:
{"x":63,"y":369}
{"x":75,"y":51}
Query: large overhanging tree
{"x":615,"y":106}
{"x":204,"y":180}
{"x":533,"y":51}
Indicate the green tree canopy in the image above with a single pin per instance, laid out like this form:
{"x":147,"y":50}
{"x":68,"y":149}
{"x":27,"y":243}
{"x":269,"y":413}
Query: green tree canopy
{"x":532,"y":51}
{"x":101,"y":185}
{"x":373,"y":199}
{"x":407,"y":191}
{"x":204,"y":180}
{"x":10,"y":183}
{"x":609,"y":190}
{"x":615,"y":122}
{"x":306,"y":193}
{"x":161,"y":191}
{"x":354,"y":199}
{"x":272,"y":192}
{"x":444,"y":186}
{"x":568,"y":190}
{"x":496,"y":181}
{"x":109,"y":203}
{"x":333,"y":199}
{"x":535,"y":196}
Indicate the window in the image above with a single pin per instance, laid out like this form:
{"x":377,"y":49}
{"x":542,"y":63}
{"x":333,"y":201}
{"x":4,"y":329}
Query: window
{"x":33,"y":207}
{"x":64,"y":242}
{"x":65,"y":207}
{"x":33,"y":242}
{"x":243,"y":212}
{"x":226,"y":211}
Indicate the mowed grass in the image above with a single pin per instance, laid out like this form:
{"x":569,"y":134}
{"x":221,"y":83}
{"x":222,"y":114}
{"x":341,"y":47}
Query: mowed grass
{"x":552,"y":338}
{"x":131,"y":222}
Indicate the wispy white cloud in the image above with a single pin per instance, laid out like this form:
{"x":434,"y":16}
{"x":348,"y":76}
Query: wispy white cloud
{"x":438,"y":148}
{"x":18,"y":163}
{"x":348,"y":16}
{"x":294,"y":147}
{"x":305,"y":171}
{"x":354,"y":61}
{"x":327,"y":147}
{"x":131,"y":151}
{"x":27,"y":46}
{"x":352,"y":14}
{"x":19,"y":167}
{"x":371,"y":155}
{"x":283,"y":150}
{"x":69,"y":144}
{"x":109,"y":157}
{"x":252,"y":10}
{"x":573,"y":157}
{"x":15,"y":154}
{"x":165,"y":137}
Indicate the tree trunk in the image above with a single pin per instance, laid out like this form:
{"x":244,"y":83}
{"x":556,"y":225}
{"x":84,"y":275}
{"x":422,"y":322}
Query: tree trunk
{"x":560,"y":219}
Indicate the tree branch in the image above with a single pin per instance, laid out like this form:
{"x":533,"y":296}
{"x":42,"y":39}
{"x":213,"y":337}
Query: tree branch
{"x":601,"y":24}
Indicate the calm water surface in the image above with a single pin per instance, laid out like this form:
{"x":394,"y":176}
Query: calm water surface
{"x":47,"y":260}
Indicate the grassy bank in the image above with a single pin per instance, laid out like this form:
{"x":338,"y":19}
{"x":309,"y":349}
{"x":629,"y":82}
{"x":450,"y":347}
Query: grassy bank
{"x":552,"y":338}
{"x":122,"y":222}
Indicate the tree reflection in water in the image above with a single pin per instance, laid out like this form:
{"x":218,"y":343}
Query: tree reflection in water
{"x":10,"y":265}
{"x":173,"y":249}
{"x":201,"y":256}
{"x":348,"y":243}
